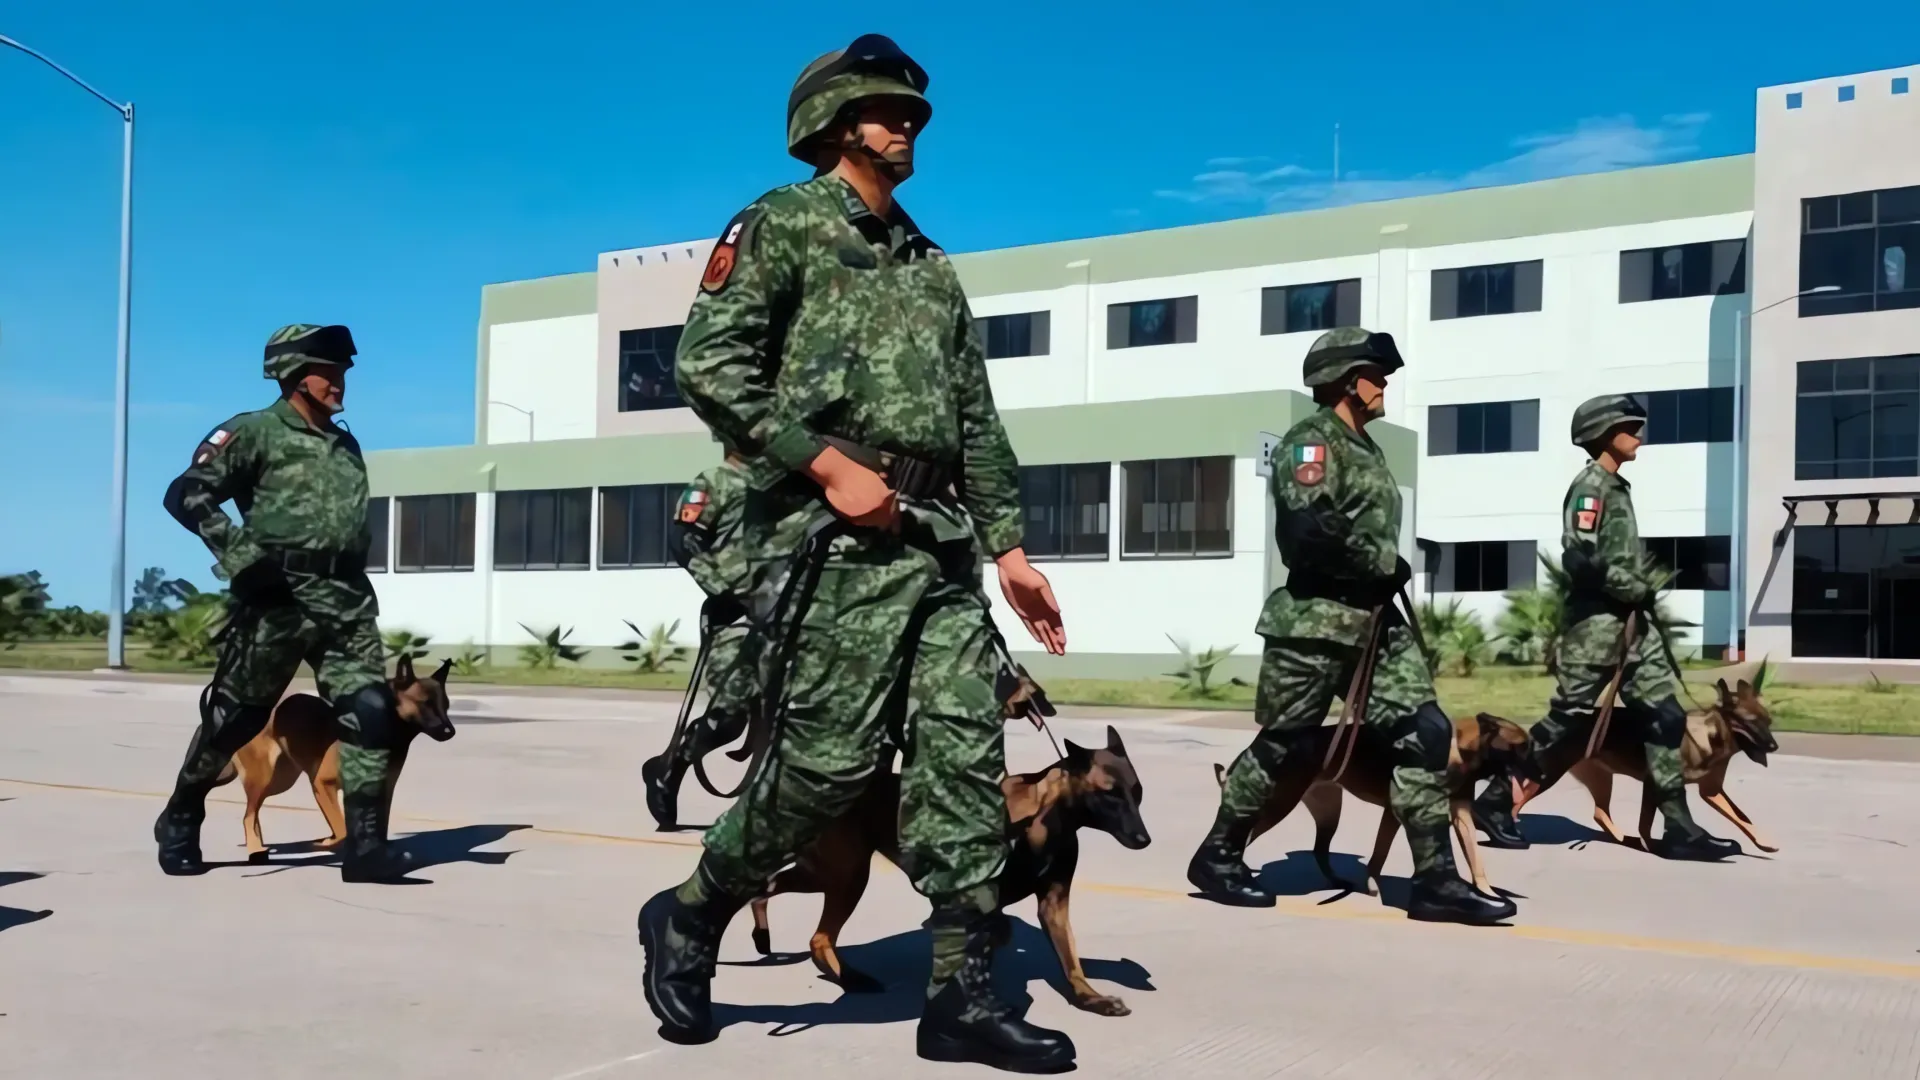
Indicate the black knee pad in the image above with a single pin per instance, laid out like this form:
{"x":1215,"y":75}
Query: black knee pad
{"x":375,"y":716}
{"x":227,"y":725}
{"x":1424,"y":739}
{"x":1666,"y":722}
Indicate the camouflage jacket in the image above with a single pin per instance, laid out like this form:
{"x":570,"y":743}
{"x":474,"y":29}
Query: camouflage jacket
{"x":711,"y":510}
{"x":816,"y":317}
{"x":1607,"y":567}
{"x":296,"y":487}
{"x":1337,"y":522}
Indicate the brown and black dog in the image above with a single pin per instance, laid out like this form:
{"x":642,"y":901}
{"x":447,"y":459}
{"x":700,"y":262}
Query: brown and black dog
{"x":302,"y":737}
{"x":1483,"y":746}
{"x":1737,"y":722}
{"x":1094,"y":789}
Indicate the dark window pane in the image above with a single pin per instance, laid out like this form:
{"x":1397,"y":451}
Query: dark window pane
{"x":646,"y":368}
{"x":1498,"y":419}
{"x":1815,"y":376}
{"x":413,"y":534}
{"x":1310,"y":307}
{"x":1899,"y":204}
{"x":1853,"y":374}
{"x":541,"y":538}
{"x":464,"y":525}
{"x":1899,"y":246}
{"x":1445,"y":300}
{"x":1896,"y":426}
{"x":1186,"y":319}
{"x":1493,"y":566}
{"x":1526,"y":426}
{"x":1213,"y":524}
{"x":1150,"y":323}
{"x":1856,"y":209}
{"x":1527,"y":285}
{"x":377,"y":512}
{"x":1696,"y":270}
{"x":1852,"y":427}
{"x":1842,"y":259}
{"x":1896,"y":373}
{"x":1040,"y":499}
{"x":576,"y":522}
{"x":1720,"y":414}
{"x":510,"y":529}
{"x":1117,"y":324}
{"x":1085,"y":524}
{"x":1347,"y":304}
{"x":1499,"y":290}
{"x":439,"y":532}
{"x":1822,"y":213}
{"x":650,"y":526}
{"x":1473,"y":427}
{"x":1443,"y":430}
{"x":1690,"y":416}
{"x":1273,"y":310}
{"x":1176,"y":482}
{"x":1729,"y":267}
{"x":1636,"y":276}
{"x":1139,"y":534}
{"x":1473,"y":291}
{"x":615,"y":540}
{"x":1010,"y":335}
{"x":1667,"y":266}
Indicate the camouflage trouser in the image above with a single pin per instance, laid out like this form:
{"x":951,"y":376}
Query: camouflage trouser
{"x":1299,"y":678}
{"x":262,"y":653}
{"x":732,"y":680}
{"x":1583,"y":673}
{"x":857,"y":663}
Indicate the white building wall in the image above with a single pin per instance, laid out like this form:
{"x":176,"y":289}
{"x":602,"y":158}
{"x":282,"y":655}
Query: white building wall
{"x":546,"y":366}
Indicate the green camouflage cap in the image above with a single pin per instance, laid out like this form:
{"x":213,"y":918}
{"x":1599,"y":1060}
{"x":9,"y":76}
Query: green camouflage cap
{"x":1596,"y":416}
{"x":873,"y":66}
{"x":1336,"y":353}
{"x":294,"y":347}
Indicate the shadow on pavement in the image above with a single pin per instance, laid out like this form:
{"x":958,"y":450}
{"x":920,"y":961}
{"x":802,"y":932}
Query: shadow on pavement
{"x":902,"y":963}
{"x":11,"y":917}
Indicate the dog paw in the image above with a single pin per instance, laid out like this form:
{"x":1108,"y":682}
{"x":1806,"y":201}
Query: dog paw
{"x":763,"y":942}
{"x":257,"y":858}
{"x":1104,"y":1004}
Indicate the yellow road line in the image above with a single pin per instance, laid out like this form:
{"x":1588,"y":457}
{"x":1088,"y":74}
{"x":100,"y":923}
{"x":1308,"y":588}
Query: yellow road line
{"x":1300,"y":908}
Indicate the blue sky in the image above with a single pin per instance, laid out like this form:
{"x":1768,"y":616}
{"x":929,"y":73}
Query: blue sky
{"x":375,"y":164}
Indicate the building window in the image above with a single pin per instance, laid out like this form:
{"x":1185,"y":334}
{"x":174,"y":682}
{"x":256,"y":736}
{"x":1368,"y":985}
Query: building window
{"x":1718,"y":268}
{"x":1846,"y":93}
{"x":633,"y":524}
{"x":1703,"y":415}
{"x":1486,"y":566}
{"x":1697,"y":562}
{"x":1793,"y":100}
{"x":1856,"y":591}
{"x":1178,"y":506}
{"x":542,"y":530}
{"x":1900,"y":84}
{"x":1065,"y":509}
{"x":1863,"y":246}
{"x":1857,"y":418}
{"x":378,"y":512}
{"x":1502,"y":289}
{"x":646,"y":369}
{"x":1298,"y":309}
{"x":1488,"y":427}
{"x":1024,"y":334}
{"x":1153,"y":322}
{"x":436,"y":532}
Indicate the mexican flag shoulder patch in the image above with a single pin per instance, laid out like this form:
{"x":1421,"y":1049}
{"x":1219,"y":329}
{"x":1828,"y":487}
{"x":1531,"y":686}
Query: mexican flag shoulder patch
{"x":1309,"y":464}
{"x":1586,"y":513}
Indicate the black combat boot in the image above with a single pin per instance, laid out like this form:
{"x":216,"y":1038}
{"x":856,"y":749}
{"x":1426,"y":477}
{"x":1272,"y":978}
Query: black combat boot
{"x":1493,"y":814}
{"x":661,"y":779}
{"x":1219,"y":868}
{"x":1440,"y":895}
{"x":681,"y":943}
{"x":177,"y":831}
{"x":367,"y":856}
{"x":965,"y":1022}
{"x":1687,"y":841}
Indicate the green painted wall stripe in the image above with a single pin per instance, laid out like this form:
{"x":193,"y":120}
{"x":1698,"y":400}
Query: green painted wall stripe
{"x":1570,"y":204}
{"x":1203,"y":426}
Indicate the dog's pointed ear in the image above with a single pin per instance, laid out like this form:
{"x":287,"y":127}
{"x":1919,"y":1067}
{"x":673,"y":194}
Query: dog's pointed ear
{"x":1114,"y":745}
{"x":1726,"y":695}
{"x":403,"y":671}
{"x":440,"y":673}
{"x":1077,"y":754}
{"x":1746,"y":690}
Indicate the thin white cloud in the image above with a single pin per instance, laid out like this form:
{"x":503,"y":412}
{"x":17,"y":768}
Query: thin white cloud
{"x":1597,"y":144}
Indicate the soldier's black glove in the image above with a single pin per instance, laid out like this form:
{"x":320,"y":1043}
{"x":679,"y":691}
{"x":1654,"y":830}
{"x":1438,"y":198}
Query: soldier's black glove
{"x":262,"y":584}
{"x":723,"y":610}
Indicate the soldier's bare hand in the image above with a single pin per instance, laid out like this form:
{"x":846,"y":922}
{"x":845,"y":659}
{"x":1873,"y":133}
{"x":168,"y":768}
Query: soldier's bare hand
{"x":1031,"y":598}
{"x":855,"y":492}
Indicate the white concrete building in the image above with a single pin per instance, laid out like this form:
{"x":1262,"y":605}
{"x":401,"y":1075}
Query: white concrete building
{"x":1136,"y":373}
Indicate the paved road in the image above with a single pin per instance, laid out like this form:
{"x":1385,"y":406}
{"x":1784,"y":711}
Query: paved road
{"x":518,"y":960}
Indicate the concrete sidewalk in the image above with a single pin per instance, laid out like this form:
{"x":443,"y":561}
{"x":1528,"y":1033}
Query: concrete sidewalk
{"x":518,"y":960}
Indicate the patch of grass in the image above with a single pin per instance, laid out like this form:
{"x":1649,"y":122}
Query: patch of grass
{"x":86,"y":655}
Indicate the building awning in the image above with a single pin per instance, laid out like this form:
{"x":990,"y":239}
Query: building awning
{"x":1850,"y":508}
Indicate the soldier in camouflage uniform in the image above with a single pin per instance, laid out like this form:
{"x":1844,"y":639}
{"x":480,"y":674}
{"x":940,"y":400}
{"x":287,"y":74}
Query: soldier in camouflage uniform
{"x":1609,"y":575}
{"x":831,"y":342}
{"x":706,"y":524}
{"x":1337,"y":522}
{"x":297,"y":568}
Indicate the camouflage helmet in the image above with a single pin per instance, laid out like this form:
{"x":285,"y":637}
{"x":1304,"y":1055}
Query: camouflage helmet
{"x":1336,"y":353}
{"x":1596,"y":416}
{"x":294,"y":347}
{"x":873,"y":66}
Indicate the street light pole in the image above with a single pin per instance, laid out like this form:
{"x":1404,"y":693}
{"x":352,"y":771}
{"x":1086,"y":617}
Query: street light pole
{"x":528,"y":413}
{"x":1736,"y":585}
{"x":117,"y":593}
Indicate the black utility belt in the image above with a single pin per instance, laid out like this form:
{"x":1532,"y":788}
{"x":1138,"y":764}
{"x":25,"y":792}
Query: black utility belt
{"x":1349,"y":591}
{"x":317,"y":563}
{"x":916,"y":478}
